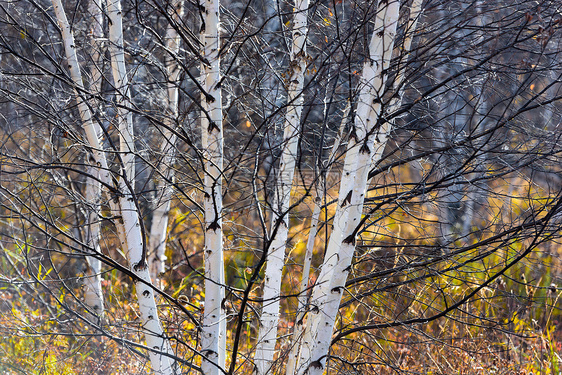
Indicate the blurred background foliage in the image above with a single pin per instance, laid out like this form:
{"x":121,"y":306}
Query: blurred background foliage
{"x":457,"y":267}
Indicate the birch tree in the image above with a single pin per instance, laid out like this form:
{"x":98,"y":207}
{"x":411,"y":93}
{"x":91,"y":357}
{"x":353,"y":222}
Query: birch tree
{"x":331,"y":281}
{"x":130,"y":229}
{"x":163,"y":196}
{"x":213,"y":342}
{"x":134,"y":132}
{"x":282,"y":200}
{"x":93,"y":296}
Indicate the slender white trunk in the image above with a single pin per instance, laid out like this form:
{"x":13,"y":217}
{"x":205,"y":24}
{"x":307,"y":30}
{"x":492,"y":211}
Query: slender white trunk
{"x":164,"y":190}
{"x":122,"y":91}
{"x":327,"y":295}
{"x":131,"y":234}
{"x":303,"y":293}
{"x":303,"y":296}
{"x":129,"y":225}
{"x":96,"y":40}
{"x":274,"y":42}
{"x":213,"y":336}
{"x":396,"y":100}
{"x":276,"y":253}
{"x":93,"y":296}
{"x":371,"y":152}
{"x":91,"y":128}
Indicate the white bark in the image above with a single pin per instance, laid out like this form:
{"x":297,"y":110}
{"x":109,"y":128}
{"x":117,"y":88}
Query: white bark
{"x":129,"y":226}
{"x":213,"y":336}
{"x":303,"y":296}
{"x":327,"y":295}
{"x":370,"y":153}
{"x":122,"y":89}
{"x":303,"y":292}
{"x":96,"y":39}
{"x":396,"y":100}
{"x":131,"y":235}
{"x":91,"y":128}
{"x":93,"y":296}
{"x":276,"y":253}
{"x":164,"y":190}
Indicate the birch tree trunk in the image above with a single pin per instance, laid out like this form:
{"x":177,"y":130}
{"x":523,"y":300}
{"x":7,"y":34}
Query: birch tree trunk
{"x":164,"y":190}
{"x":276,"y":253}
{"x":213,"y":339}
{"x":122,"y":93}
{"x":303,"y":292}
{"x":93,"y":296}
{"x":129,"y":227}
{"x":341,"y":246}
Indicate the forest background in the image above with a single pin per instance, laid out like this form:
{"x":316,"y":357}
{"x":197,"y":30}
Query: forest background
{"x":269,"y":187}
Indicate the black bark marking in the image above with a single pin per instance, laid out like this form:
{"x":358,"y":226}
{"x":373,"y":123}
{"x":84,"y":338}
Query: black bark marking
{"x":347,"y":199}
{"x":214,"y":226}
{"x":209,"y":98}
{"x":364,"y":149}
{"x":213,"y":126}
{"x":316,"y":364}
{"x":349,"y":240}
{"x":208,"y":352}
{"x":141,"y":265}
{"x":280,"y":221}
{"x":353,"y":133}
